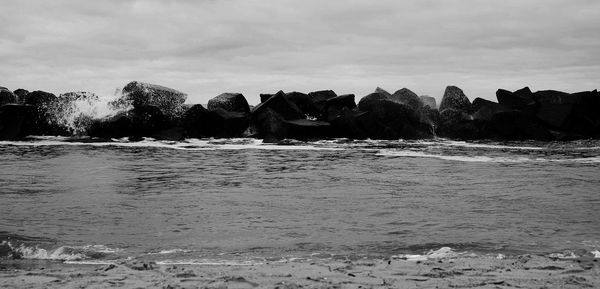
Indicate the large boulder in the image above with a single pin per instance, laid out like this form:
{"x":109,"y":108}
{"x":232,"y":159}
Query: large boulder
{"x":305,"y":103}
{"x":429,"y":101}
{"x":39,"y":98}
{"x":519,"y":125}
{"x":270,"y":125}
{"x":141,"y":121}
{"x":21,"y":94}
{"x":369,"y":101}
{"x":199,"y":122}
{"x":387,"y":119}
{"x":319,"y":98}
{"x":382,"y":91}
{"x":485,"y":109}
{"x":407,"y":97}
{"x":334,"y":106}
{"x":455,"y":123}
{"x":233,"y":102}
{"x":265,"y":96}
{"x":522,"y":99}
{"x":306,"y":129}
{"x":456,"y":99}
{"x":280,"y":104}
{"x":346,"y":125}
{"x":6,"y":97}
{"x":139,"y":94}
{"x":16,"y":121}
{"x":43,"y":119}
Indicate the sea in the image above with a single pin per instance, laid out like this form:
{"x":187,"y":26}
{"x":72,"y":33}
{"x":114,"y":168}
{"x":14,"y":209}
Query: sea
{"x":242,"y":201}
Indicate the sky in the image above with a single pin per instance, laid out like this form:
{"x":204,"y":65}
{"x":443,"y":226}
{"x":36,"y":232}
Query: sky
{"x":207,"y":47}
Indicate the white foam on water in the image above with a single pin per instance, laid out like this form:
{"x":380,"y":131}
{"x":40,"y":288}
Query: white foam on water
{"x":207,"y":263}
{"x":443,"y":252}
{"x":596,"y":254}
{"x":188,"y":144}
{"x":482,"y":159}
{"x":90,"y":262}
{"x":169,"y":251}
{"x":63,"y":253}
{"x":452,"y":143}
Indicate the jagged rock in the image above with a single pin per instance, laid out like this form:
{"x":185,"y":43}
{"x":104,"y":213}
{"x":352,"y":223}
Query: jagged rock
{"x":305,"y":103}
{"x":270,"y":125}
{"x":345,"y":125}
{"x":16,"y":121}
{"x":304,"y":129}
{"x":407,"y":97}
{"x":199,"y":122}
{"x":368,"y":102}
{"x":234,"y":102}
{"x":196,"y":122}
{"x":39,"y":98}
{"x":6,"y":96}
{"x":485,"y":109}
{"x":141,"y":121}
{"x":382,"y":91}
{"x":334,"y":106}
{"x":455,"y":98}
{"x":455,"y":123}
{"x":280,"y":104}
{"x":139,"y":94}
{"x":264,"y":97}
{"x":21,"y":94}
{"x":521,"y":99}
{"x":428,"y":101}
{"x":519,"y":125}
{"x":319,"y":98}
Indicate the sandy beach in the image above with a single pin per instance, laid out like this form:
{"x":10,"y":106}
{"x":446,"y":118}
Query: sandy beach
{"x":526,"y":271}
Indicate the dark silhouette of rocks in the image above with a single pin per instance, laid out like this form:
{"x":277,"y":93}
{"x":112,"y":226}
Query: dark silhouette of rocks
{"x":455,"y":98}
{"x":149,"y":110}
{"x":168,"y":100}
{"x":21,"y":94}
{"x":234,"y":102}
{"x":407,"y":97}
{"x":7,"y":96}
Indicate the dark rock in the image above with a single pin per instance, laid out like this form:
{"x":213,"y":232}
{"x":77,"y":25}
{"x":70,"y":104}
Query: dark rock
{"x":455,"y":123}
{"x":345,"y":125}
{"x":280,"y":104}
{"x":455,"y":98}
{"x":319,"y":98}
{"x":39,"y":98}
{"x":199,"y":122}
{"x":21,"y":94}
{"x":334,"y":106}
{"x":368,"y":102}
{"x":519,"y":125}
{"x":234,"y":102}
{"x":521,"y":99}
{"x":305,"y":103}
{"x":428,"y":101}
{"x":176,"y":133}
{"x":270,"y":125}
{"x":16,"y":121}
{"x":304,"y":129}
{"x":388,"y":119}
{"x":407,"y":97}
{"x":557,"y":97}
{"x":264,"y":97}
{"x":141,"y":121}
{"x":139,"y":94}
{"x":382,"y":91}
{"x":555,"y":115}
{"x":485,"y":109}
{"x":6,"y":97}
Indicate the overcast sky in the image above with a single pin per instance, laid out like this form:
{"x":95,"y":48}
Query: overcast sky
{"x":207,"y":47}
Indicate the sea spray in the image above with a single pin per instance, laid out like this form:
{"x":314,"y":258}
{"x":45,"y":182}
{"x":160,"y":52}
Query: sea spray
{"x":75,"y":111}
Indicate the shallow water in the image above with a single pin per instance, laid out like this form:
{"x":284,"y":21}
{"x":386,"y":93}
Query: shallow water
{"x":241,"y":199}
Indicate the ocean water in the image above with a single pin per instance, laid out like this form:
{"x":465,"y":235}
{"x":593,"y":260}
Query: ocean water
{"x":239,"y":200}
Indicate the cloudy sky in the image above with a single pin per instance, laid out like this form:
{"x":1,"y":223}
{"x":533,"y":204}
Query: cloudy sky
{"x":207,"y":47}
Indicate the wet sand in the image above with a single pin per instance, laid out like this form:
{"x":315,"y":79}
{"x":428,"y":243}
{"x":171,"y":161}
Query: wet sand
{"x":526,"y":271}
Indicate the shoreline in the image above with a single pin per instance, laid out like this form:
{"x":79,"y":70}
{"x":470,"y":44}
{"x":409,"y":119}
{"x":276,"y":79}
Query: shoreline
{"x":523,"y":271}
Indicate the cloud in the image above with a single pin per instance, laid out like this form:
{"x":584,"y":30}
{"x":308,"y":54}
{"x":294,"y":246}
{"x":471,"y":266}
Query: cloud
{"x":253,"y":46}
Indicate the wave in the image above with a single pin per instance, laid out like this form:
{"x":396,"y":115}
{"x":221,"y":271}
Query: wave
{"x":62,"y":253}
{"x":188,"y":144}
{"x":482,"y":159}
